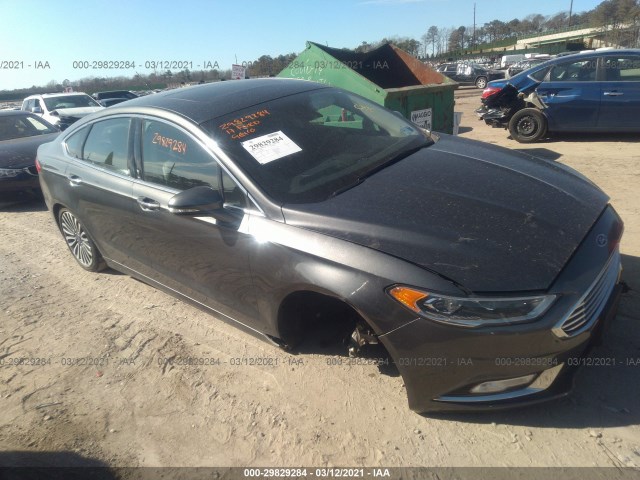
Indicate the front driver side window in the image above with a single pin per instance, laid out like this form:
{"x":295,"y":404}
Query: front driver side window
{"x":580,"y":71}
{"x":172,"y":158}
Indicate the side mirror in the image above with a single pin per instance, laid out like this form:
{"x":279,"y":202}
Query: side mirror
{"x":36,"y":110}
{"x":196,"y":200}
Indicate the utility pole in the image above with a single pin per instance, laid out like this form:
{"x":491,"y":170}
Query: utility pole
{"x":473,"y":44}
{"x":570,"y":12}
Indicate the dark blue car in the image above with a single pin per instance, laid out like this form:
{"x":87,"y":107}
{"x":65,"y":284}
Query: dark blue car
{"x":595,"y":91}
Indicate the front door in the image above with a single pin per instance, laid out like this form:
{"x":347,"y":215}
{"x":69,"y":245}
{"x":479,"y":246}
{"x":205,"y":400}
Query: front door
{"x":620,"y":104}
{"x":196,"y":255}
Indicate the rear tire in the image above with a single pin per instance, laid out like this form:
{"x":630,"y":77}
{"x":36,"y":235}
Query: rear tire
{"x":528,"y":125}
{"x":80,"y":244}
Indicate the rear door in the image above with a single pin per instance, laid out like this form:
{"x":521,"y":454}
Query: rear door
{"x":620,"y":104}
{"x":571,"y":94}
{"x":99,"y":174}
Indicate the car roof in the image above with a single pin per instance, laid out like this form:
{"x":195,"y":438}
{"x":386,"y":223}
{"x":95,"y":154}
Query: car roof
{"x":573,"y":56}
{"x":204,"y":102}
{"x":593,"y":53}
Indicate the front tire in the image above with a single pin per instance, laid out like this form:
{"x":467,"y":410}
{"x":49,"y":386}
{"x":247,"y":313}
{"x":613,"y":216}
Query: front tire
{"x":80,"y":244}
{"x":528,"y":125}
{"x":481,"y":82}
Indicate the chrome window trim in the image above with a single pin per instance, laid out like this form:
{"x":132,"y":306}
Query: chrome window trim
{"x":207,"y":143}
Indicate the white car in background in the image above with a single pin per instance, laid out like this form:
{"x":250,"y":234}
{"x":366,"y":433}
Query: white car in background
{"x":61,"y":109}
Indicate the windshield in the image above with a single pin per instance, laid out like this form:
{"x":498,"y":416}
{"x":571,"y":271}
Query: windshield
{"x":19,"y":126}
{"x":70,"y":101}
{"x":307,"y":147}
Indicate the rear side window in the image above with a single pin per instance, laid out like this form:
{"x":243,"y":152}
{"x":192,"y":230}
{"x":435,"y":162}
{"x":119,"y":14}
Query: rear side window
{"x":76,"y":141}
{"x":622,"y":69}
{"x":172,"y":158}
{"x":104,"y":143}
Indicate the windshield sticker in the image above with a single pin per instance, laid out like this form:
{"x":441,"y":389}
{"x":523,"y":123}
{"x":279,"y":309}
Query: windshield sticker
{"x":170,"y":143}
{"x":268,"y":148}
{"x":244,"y":126}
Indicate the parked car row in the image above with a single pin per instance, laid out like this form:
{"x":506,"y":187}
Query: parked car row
{"x":61,"y":109}
{"x":39,"y":120}
{"x":516,"y":68}
{"x":597,"y":91}
{"x":255,"y":201}
{"x":469,"y":73}
{"x":113,"y":97}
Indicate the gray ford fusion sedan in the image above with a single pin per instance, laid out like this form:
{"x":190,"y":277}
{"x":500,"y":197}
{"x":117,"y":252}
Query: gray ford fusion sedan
{"x":486,"y":274}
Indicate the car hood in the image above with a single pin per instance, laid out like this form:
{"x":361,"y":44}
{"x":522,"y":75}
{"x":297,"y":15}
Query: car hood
{"x":488,"y":218}
{"x":77,"y":112}
{"x":21,"y":152}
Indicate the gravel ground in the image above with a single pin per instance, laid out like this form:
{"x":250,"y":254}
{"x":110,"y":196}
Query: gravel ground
{"x":126,"y":407}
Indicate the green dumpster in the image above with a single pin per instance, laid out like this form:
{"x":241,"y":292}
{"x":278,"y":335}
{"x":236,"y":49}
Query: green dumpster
{"x":387,"y":75}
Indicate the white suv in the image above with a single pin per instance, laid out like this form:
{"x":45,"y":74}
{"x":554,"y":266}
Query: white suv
{"x":61,"y":109}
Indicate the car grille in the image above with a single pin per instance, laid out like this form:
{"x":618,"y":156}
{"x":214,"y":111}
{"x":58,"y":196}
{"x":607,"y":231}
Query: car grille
{"x":589,"y":307}
{"x":32,"y":170}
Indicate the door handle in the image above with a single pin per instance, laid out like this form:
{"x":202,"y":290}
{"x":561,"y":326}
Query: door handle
{"x":74,"y":180}
{"x":148,"y":204}
{"x":613,"y":94}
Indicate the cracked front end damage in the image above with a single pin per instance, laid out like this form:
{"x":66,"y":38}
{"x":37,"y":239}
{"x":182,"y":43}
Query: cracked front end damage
{"x":446,"y":368}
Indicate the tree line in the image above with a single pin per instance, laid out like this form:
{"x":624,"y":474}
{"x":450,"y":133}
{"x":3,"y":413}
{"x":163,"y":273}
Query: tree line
{"x":435,"y":42}
{"x":438,"y":41}
{"x":265,"y":66}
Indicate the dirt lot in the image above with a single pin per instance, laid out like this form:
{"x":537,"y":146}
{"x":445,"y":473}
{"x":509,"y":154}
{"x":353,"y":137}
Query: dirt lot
{"x":130,"y":409}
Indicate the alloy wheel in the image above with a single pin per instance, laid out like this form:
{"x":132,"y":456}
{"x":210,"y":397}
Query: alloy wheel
{"x":76,"y":238}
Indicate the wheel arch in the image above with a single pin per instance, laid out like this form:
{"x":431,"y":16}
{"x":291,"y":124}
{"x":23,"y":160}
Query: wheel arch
{"x":55,"y":210}
{"x":300,"y":308}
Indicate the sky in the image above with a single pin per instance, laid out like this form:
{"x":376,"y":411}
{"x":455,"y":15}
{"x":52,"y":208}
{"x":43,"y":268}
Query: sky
{"x":44,"y":40}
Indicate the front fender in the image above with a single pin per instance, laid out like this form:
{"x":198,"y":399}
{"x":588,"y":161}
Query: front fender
{"x":288,"y":259}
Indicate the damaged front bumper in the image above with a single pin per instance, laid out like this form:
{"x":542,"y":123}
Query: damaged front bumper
{"x":447,"y":368}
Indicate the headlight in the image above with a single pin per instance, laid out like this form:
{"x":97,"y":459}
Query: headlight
{"x":472,"y":311}
{"x":10,"y":172}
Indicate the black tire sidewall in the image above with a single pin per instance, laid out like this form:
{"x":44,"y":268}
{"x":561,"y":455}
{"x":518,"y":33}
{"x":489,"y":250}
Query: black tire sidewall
{"x":538,"y":117}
